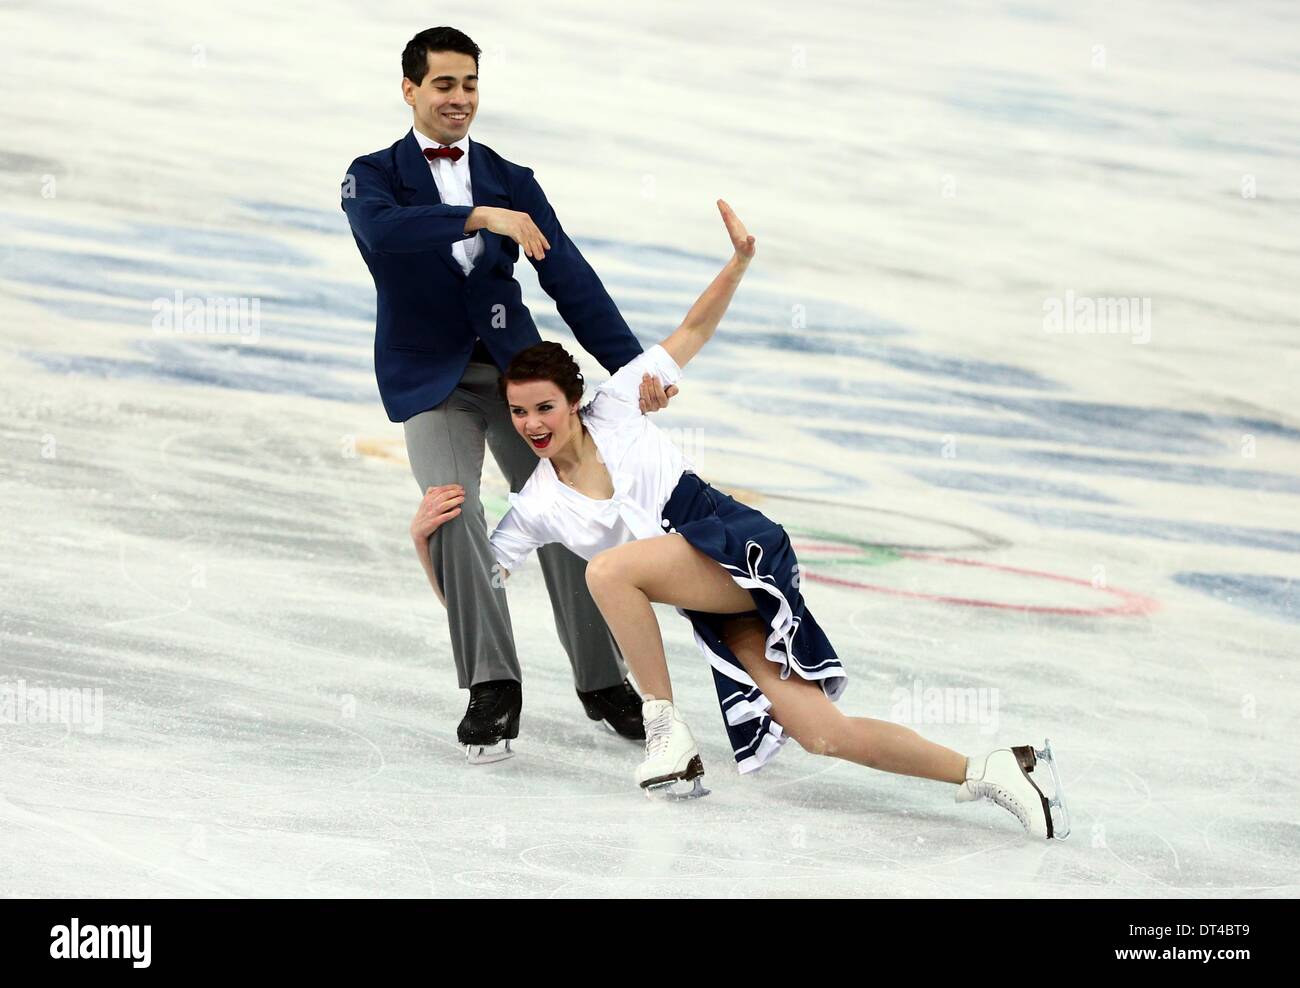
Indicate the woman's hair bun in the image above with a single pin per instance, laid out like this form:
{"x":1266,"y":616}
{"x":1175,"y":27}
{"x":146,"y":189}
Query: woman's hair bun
{"x":545,"y":362}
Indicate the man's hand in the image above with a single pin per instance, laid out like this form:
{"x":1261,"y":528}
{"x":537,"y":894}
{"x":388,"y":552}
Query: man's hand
{"x":653,"y":395}
{"x":511,"y":223}
{"x":440,"y":505}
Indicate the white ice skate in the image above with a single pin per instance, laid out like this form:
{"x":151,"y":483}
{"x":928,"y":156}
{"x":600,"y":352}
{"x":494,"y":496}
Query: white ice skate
{"x":1004,"y":777}
{"x":671,"y":757}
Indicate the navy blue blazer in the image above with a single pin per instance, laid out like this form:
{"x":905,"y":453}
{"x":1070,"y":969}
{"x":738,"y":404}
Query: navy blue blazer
{"x":428,"y":313}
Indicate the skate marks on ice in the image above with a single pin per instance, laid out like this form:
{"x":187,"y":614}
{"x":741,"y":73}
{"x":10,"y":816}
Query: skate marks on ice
{"x":279,"y":712}
{"x":1149,"y":833}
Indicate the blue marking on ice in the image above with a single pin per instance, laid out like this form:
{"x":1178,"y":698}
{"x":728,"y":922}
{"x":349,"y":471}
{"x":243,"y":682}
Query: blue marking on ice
{"x":670,"y":421}
{"x":880,"y":442}
{"x":1149,"y":423}
{"x":1101,"y":426}
{"x":658,"y":255}
{"x":74,"y":268}
{"x":911,"y":418}
{"x":1163,"y":529}
{"x":1104,"y":425}
{"x":1155,"y":471}
{"x":211,"y":246}
{"x":1197,"y":474}
{"x":136,"y":280}
{"x":902,"y":358}
{"x":1275,"y":596}
{"x":284,"y":216}
{"x":311,"y":296}
{"x":1037,"y":108}
{"x":178,"y":350}
{"x":93,"y":310}
{"x":218,"y":365}
{"x":1006,"y":483}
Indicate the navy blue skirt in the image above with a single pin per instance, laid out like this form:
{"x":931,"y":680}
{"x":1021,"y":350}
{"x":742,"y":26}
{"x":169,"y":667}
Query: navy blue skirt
{"x":756,"y":552}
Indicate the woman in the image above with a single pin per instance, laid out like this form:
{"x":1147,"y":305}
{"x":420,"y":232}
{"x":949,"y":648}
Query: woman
{"x":613,"y":489}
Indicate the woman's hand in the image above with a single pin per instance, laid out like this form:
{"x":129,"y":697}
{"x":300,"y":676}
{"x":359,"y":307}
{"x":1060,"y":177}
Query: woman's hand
{"x":440,"y":505}
{"x":698,"y":326}
{"x":740,"y":238}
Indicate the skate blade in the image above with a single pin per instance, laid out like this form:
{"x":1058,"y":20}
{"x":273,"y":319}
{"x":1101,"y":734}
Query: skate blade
{"x":1056,"y":808}
{"x":687,"y":785}
{"x":677,"y":790}
{"x":486,"y":754}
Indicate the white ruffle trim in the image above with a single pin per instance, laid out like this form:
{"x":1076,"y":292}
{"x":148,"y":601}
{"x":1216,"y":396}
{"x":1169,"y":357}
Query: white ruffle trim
{"x":768,"y":745}
{"x":784,"y":626}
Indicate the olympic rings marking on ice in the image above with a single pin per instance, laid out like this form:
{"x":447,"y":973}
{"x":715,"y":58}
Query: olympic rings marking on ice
{"x":846,"y":551}
{"x":982,"y":541}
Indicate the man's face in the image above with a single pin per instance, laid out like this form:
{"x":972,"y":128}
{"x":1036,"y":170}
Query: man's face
{"x":446,"y":101}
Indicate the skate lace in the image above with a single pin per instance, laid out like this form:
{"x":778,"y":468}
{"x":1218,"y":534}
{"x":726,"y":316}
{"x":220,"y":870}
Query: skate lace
{"x":1003,"y":799}
{"x":657,"y":733}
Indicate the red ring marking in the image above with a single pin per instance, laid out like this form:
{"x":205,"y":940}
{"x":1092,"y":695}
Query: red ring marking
{"x":829,"y":548}
{"x":1133,"y":603}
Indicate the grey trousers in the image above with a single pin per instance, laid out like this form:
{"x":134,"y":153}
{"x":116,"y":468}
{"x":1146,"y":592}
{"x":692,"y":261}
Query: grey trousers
{"x":445,"y":446}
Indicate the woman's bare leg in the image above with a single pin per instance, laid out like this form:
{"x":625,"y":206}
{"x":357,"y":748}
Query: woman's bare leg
{"x":668,"y":570}
{"x":805,"y":713}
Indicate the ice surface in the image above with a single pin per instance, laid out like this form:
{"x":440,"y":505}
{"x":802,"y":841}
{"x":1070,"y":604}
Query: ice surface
{"x":1100,"y":535}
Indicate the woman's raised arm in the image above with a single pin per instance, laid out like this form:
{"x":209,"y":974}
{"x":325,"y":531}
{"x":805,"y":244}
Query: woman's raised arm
{"x":706,"y":313}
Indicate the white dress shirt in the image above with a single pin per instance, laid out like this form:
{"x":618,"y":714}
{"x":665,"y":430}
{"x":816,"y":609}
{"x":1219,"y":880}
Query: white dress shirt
{"x":454,"y":189}
{"x":643,"y":465}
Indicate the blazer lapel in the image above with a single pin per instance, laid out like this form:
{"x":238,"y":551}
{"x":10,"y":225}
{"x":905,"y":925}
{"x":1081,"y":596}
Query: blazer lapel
{"x":487,"y":190}
{"x":416,"y":177}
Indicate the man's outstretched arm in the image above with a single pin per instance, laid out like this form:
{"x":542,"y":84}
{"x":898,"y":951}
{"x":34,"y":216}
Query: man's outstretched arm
{"x":580,"y":298}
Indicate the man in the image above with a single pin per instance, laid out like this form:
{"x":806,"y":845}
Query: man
{"x":439,"y":220}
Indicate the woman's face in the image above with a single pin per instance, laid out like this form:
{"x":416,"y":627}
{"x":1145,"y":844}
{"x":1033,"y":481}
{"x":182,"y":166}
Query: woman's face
{"x":542,"y":416}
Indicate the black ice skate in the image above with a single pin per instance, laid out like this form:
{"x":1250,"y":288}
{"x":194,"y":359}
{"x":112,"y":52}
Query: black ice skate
{"x":619,"y":707}
{"x":491,"y":722}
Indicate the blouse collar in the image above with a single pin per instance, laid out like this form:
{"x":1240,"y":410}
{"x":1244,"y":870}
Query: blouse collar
{"x":606,"y":510}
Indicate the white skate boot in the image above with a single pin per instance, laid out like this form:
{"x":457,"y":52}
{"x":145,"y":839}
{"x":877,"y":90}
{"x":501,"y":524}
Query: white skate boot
{"x":1004,"y":777}
{"x":671,"y":757}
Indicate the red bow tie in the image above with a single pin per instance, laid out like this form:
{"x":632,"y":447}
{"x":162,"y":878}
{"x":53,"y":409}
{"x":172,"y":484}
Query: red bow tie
{"x":433,"y":154}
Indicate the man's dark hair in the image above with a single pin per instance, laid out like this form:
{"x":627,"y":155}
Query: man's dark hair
{"x":415,"y":58}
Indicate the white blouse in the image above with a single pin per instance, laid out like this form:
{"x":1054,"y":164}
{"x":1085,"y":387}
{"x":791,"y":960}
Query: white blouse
{"x":455,"y":188}
{"x":643,"y":465}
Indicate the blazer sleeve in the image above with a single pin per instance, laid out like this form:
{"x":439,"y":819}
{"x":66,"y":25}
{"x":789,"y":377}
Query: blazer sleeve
{"x":386,"y":227}
{"x":565,"y":275}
